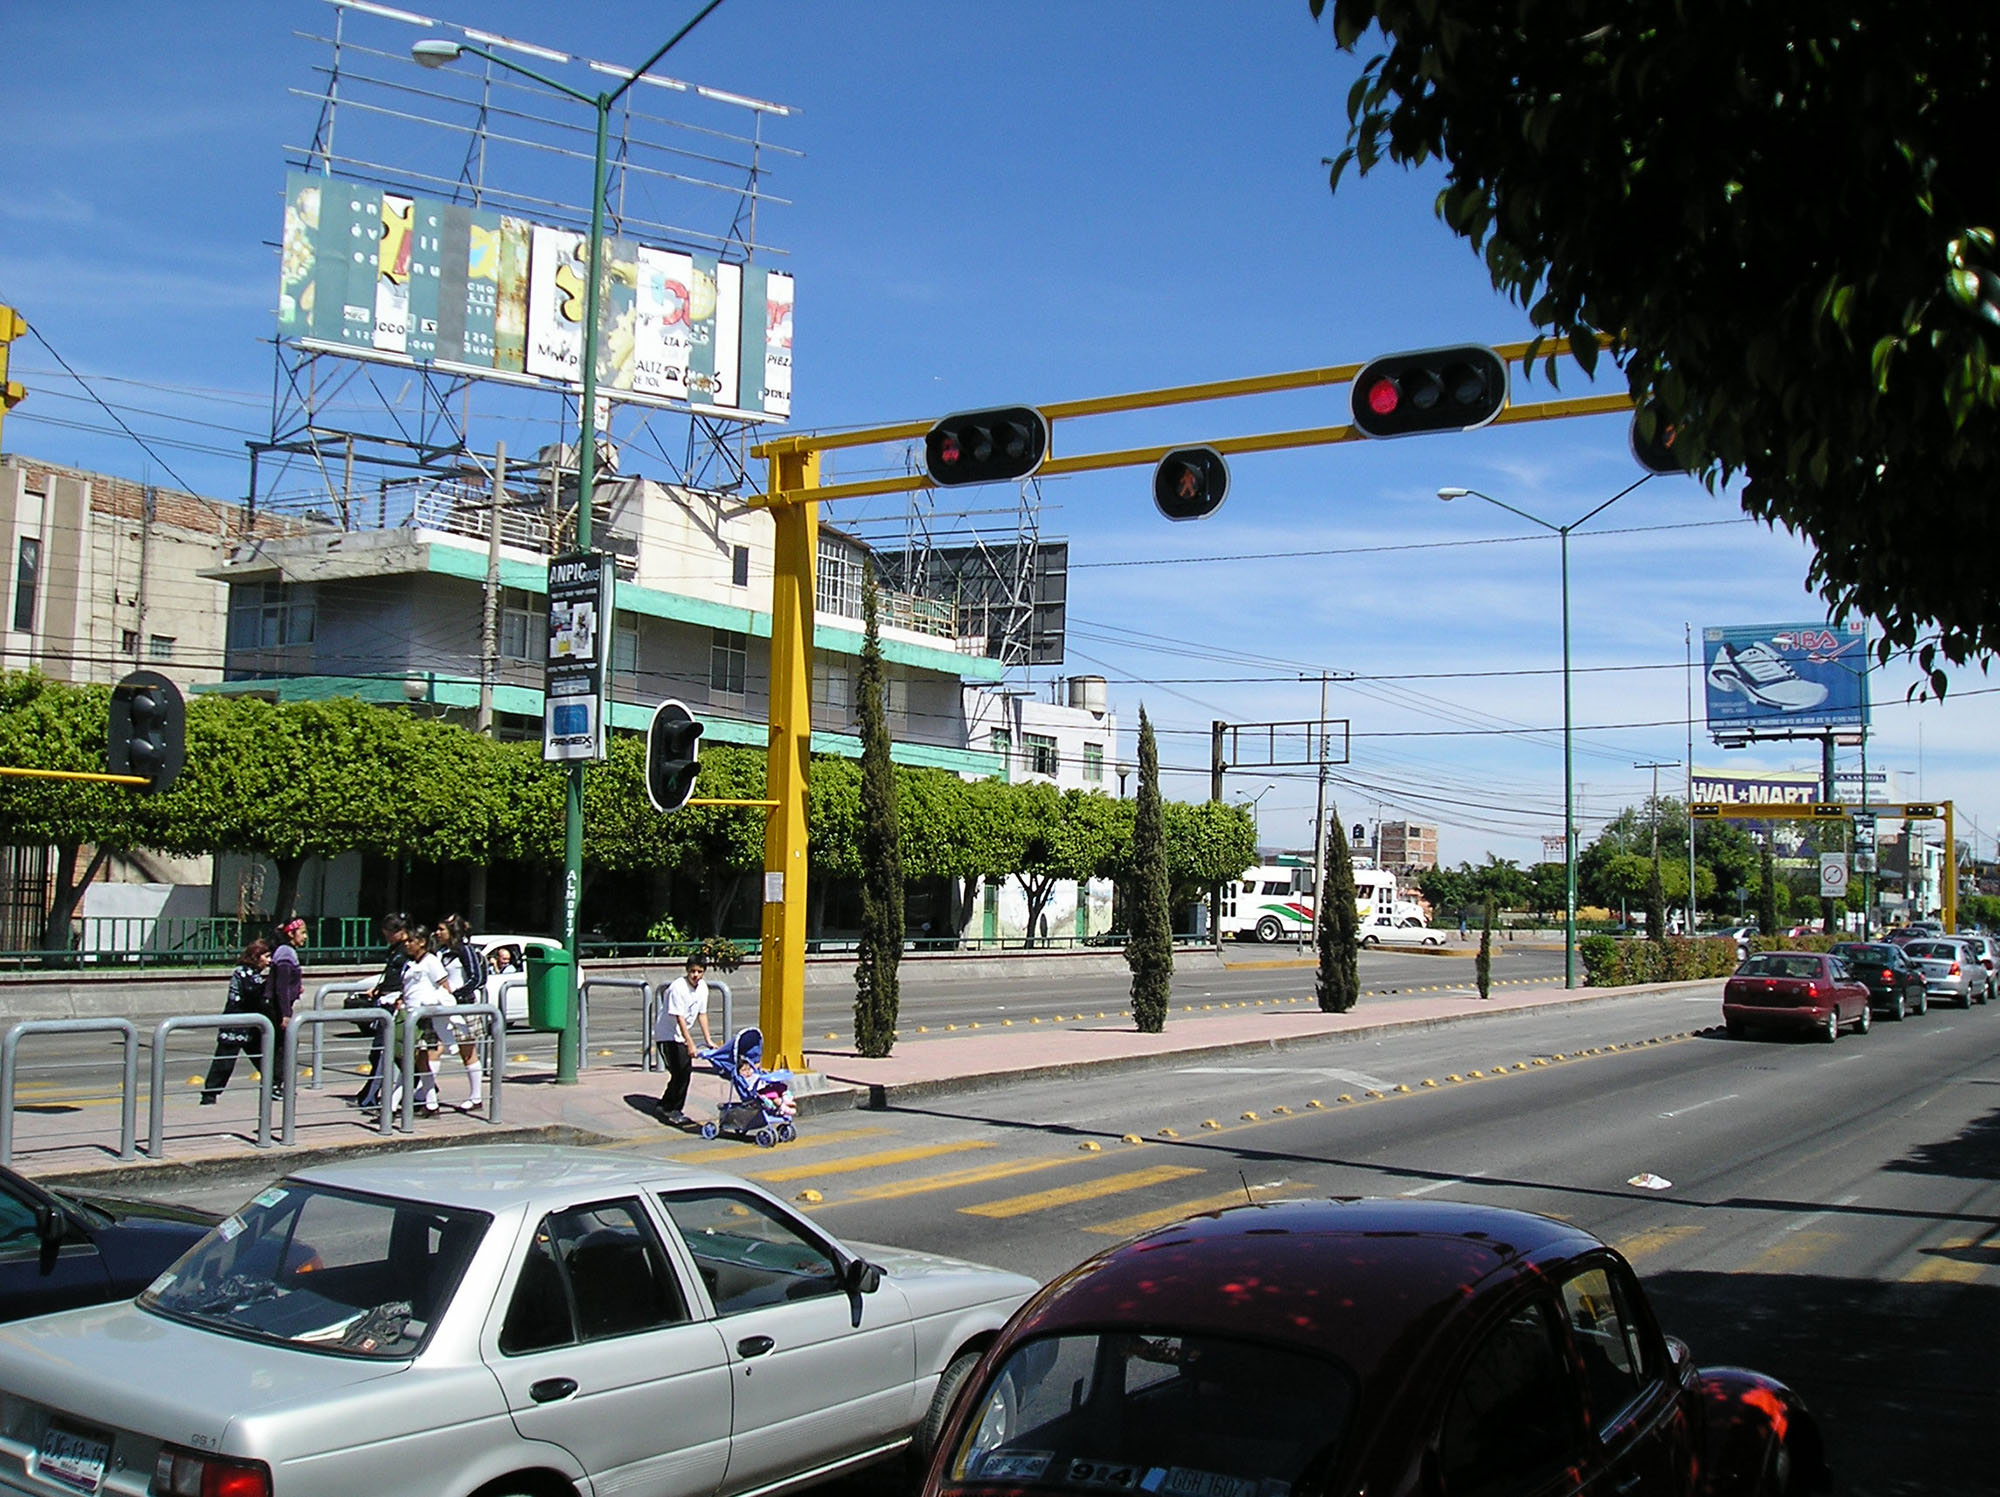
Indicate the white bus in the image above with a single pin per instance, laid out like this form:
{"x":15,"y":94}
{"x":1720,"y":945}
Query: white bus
{"x":1273,"y":901}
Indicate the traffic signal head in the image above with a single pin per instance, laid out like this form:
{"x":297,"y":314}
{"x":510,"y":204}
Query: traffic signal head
{"x":148,"y":730}
{"x":1653,"y":443}
{"x":986,"y":446}
{"x":673,"y":753}
{"x":1434,"y":389}
{"x":1190,"y":483}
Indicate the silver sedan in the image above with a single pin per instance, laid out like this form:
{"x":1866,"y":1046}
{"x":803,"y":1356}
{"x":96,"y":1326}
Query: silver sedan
{"x":1951,"y":969}
{"x":507,"y":1319}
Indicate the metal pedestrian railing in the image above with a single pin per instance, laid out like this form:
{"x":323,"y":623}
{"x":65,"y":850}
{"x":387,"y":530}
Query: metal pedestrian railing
{"x":583,"y":1014}
{"x":128,"y":1092}
{"x":156,"y":1112}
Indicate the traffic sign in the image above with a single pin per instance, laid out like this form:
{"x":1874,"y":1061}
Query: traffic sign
{"x":1832,"y":875}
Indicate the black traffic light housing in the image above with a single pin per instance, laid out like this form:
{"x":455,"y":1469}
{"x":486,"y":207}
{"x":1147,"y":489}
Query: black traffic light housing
{"x":1190,"y":483}
{"x":1653,"y":442}
{"x":148,"y":730}
{"x":673,"y":756}
{"x":1432,"y":389}
{"x":993,"y":446}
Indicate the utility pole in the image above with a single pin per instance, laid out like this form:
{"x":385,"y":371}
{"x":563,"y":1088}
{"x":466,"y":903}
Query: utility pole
{"x":489,"y":655}
{"x":1216,"y":765}
{"x":1656,"y":767}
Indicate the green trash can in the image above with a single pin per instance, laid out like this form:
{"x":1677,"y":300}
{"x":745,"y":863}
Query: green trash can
{"x":551,"y":981}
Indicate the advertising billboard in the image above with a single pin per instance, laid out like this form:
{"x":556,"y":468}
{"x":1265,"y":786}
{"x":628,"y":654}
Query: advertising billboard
{"x":1766,"y":680}
{"x":415,"y":280}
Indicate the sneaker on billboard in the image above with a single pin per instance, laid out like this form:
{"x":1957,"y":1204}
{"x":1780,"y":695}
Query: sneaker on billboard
{"x":1762,"y":675}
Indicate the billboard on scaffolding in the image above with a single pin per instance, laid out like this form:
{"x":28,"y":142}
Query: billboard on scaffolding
{"x":1770,"y":680}
{"x":411,"y":280}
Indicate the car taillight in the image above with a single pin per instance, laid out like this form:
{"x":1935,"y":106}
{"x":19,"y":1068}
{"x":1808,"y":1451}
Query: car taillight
{"x":1887,"y":975}
{"x":189,"y":1473}
{"x":1954,"y":970}
{"x":1813,"y":991}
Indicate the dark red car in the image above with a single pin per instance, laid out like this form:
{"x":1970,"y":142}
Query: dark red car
{"x":1334,"y":1348}
{"x":1804,"y":992}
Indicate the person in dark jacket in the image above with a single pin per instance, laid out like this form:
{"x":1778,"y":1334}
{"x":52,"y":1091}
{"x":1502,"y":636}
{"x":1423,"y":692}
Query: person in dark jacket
{"x":388,"y":992}
{"x":248,"y":994}
{"x":285,"y":984}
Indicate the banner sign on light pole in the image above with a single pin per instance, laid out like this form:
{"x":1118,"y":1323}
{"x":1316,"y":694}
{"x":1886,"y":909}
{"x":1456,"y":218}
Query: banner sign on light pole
{"x":573,"y":682}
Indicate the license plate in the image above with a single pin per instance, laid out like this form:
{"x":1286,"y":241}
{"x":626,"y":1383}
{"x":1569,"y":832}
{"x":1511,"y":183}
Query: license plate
{"x":73,"y":1459}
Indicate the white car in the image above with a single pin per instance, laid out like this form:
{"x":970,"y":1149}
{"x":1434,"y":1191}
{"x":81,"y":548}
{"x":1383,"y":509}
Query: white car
{"x":503,"y":1320}
{"x":513,"y":996}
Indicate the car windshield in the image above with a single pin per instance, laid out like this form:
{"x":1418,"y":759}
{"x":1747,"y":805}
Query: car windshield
{"x":1780,"y":964}
{"x":324,"y":1270}
{"x":1155,"y":1411}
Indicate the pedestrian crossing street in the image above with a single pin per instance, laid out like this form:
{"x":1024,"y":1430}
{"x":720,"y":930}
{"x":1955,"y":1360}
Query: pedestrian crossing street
{"x":1115,"y":1188}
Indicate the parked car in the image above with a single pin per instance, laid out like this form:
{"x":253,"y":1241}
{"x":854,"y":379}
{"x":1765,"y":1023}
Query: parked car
{"x":513,"y":996}
{"x":498,"y":1319}
{"x":60,"y":1248}
{"x":1894,"y":986}
{"x":1350,"y":1346}
{"x":1800,"y":991}
{"x":1951,"y":969}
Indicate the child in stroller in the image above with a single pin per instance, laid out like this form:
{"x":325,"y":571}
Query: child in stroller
{"x":756,"y":1103}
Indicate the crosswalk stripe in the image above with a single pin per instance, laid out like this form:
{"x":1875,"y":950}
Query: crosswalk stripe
{"x":1940,"y":1267}
{"x":1653,"y":1240}
{"x":1146,"y":1221}
{"x":958,"y":1179}
{"x":817,"y":1167}
{"x":703,"y":1152}
{"x":1064,"y":1195}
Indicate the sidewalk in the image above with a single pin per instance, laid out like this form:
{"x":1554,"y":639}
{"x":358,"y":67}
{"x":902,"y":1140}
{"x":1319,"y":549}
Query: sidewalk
{"x":612,"y":1102}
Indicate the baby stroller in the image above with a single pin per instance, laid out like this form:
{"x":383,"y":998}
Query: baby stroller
{"x":756,"y":1103}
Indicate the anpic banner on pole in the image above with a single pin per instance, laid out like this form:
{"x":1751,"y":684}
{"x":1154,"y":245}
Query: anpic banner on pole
{"x":573,"y":681}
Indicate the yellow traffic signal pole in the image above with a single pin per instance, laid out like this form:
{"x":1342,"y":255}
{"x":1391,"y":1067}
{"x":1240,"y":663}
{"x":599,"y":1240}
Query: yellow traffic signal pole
{"x":1842,"y":811}
{"x":12,"y":326}
{"x":793,"y":495}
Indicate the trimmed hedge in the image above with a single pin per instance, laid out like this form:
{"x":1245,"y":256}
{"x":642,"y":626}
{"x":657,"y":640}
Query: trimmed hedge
{"x":1611,"y":963}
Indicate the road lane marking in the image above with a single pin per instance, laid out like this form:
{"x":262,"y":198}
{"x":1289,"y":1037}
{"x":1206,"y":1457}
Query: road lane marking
{"x":815,"y":1167}
{"x":1424,"y":1190}
{"x":958,"y":1179}
{"x":1941,"y":1267}
{"x":1065,"y":1195}
{"x":1697,"y":1106}
{"x":1794,"y":1252}
{"x":1654,"y":1240}
{"x":1146,"y":1221}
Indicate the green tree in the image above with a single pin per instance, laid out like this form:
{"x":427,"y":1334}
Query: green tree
{"x":1548,"y":889}
{"x":876,"y":989}
{"x":1482,"y":965}
{"x":1149,"y":948}
{"x":1807,"y":284}
{"x":1338,"y":985}
{"x":1208,"y":843}
{"x":1767,"y":893}
{"x":1656,"y":904}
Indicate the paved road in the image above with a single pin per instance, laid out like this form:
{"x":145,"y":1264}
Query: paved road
{"x":1830,"y":1214}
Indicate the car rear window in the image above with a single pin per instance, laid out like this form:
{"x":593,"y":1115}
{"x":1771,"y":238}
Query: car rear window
{"x":1157,"y":1411}
{"x":1780,"y":964}
{"x":1935,"y":950}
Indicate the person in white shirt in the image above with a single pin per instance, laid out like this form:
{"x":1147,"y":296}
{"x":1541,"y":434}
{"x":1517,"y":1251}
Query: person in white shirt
{"x":426,"y":996}
{"x":684,"y":1009}
{"x":453,"y":944}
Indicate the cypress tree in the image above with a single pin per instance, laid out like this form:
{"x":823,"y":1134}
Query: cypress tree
{"x":1339,"y":922}
{"x":1767,"y":894}
{"x":1482,"y":966}
{"x":1149,"y":948}
{"x":877,"y":994}
{"x":1656,"y":906}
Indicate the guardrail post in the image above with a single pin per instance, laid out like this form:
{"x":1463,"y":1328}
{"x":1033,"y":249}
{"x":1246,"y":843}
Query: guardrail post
{"x":157,"y":1102}
{"x":128,"y":1102}
{"x":583,"y":1010}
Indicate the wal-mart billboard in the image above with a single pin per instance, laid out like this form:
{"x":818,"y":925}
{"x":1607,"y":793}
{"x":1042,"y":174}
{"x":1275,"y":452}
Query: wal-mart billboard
{"x":1768,"y":680}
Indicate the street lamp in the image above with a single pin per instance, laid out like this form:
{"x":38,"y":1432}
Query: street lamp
{"x":435,"y":52}
{"x":1256,"y":835}
{"x":1561,"y":532}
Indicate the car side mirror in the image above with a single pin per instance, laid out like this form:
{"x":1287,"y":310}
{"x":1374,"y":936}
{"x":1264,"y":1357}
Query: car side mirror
{"x":51,"y":1225}
{"x":861,"y":1277}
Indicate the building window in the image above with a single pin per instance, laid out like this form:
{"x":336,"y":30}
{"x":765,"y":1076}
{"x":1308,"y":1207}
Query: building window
{"x":128,"y":642}
{"x":27,"y":575}
{"x":271,"y":615}
{"x":1093,"y":764}
{"x":625,"y":642}
{"x":160,"y":647}
{"x":832,"y":696}
{"x":519,"y":615}
{"x":896,"y":700}
{"x":839,"y":585}
{"x":1042,"y":756}
{"x":728,"y":659}
{"x":1001,"y":741}
{"x":739,"y":566}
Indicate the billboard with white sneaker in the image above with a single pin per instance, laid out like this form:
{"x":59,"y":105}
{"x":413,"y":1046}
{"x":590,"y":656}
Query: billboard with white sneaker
{"x":1772,"y":680}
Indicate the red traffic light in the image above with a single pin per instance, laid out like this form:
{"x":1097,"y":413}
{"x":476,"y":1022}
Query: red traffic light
{"x":1435,"y":389}
{"x":993,"y":446}
{"x":1655,"y":442}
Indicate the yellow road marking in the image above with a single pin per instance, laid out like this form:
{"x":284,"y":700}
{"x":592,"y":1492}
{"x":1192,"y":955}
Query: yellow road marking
{"x":1794,"y":1251}
{"x":1939,"y":1267}
{"x":1145,"y":1221}
{"x":1159,"y":1174}
{"x":862,"y":1161}
{"x":703,"y":1151}
{"x":957,"y":1179}
{"x":1653,"y":1240}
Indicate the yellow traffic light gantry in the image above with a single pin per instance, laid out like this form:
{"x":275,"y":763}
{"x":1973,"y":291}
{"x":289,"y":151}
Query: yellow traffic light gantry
{"x":12,"y":392}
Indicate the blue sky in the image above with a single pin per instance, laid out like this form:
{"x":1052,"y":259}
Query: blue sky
{"x":1033,"y":202}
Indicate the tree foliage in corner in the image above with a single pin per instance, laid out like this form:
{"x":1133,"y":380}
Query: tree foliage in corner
{"x":1802,"y":276}
{"x":1149,"y":948}
{"x":876,"y":989}
{"x":1339,"y":982}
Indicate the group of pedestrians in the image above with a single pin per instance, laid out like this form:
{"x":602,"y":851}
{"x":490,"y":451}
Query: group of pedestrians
{"x":267,"y":981}
{"x":430,"y":971}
